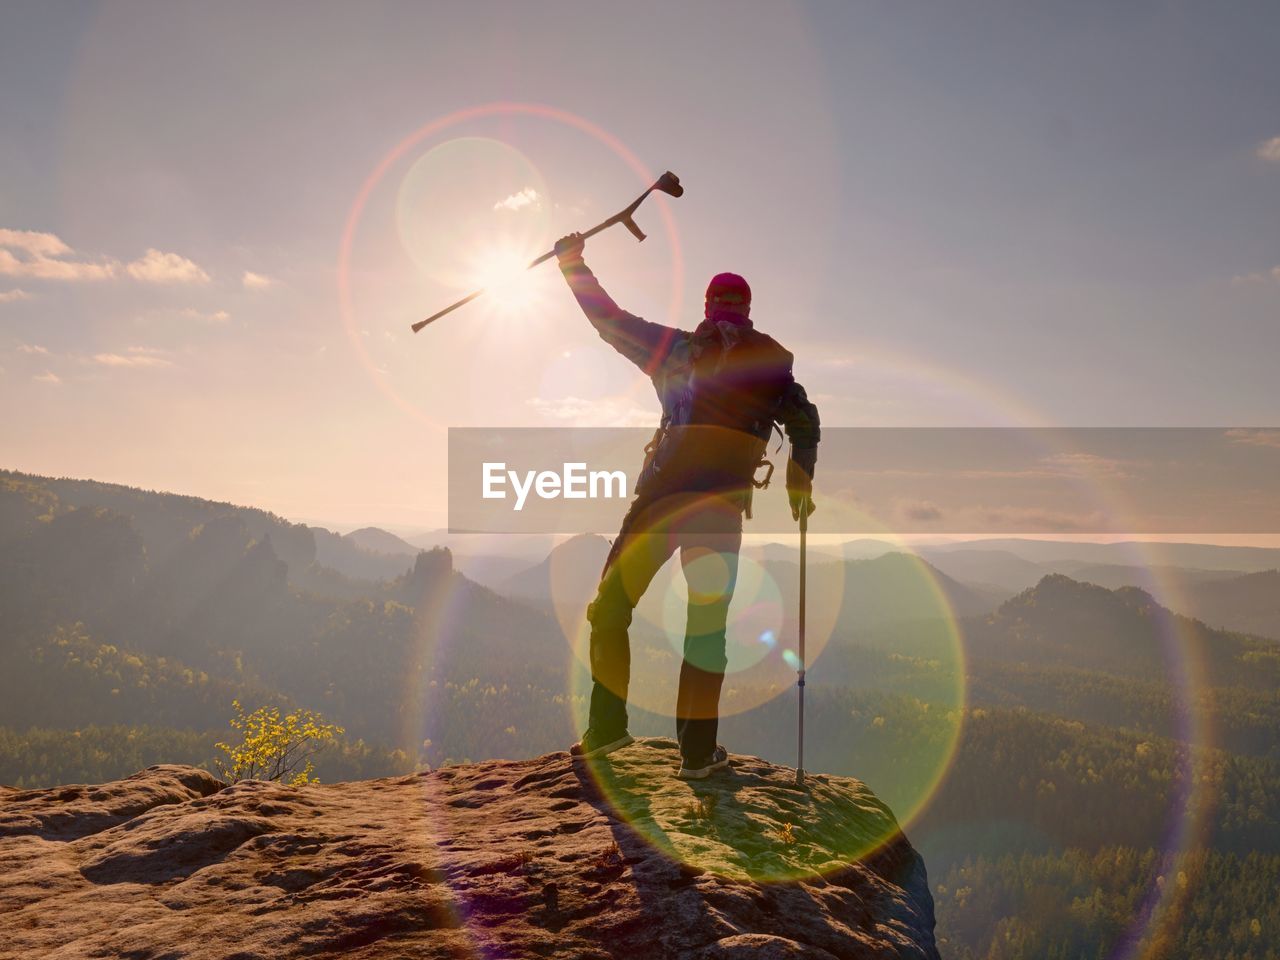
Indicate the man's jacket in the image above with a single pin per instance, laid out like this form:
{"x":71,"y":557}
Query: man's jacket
{"x":722,"y":388}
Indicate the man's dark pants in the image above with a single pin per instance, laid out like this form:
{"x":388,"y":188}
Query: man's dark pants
{"x":707,"y":529}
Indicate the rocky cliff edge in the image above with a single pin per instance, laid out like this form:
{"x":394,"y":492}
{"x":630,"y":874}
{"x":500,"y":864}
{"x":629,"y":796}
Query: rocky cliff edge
{"x":511,"y":859}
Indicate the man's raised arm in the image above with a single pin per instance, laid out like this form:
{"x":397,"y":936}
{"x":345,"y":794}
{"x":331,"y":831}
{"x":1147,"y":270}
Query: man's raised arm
{"x":644,"y":343}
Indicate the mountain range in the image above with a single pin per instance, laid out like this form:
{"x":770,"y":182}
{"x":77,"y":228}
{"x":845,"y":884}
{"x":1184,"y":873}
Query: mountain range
{"x":998,"y":704}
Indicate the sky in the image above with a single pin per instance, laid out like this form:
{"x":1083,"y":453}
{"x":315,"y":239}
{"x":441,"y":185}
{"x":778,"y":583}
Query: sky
{"x":217,"y":222}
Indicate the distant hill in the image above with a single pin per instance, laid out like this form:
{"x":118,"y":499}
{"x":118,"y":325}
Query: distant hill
{"x":1062,"y":622}
{"x":529,"y":547}
{"x":1201,"y":556}
{"x":1004,"y":567}
{"x":862,"y":549}
{"x":346,"y":555}
{"x":163,"y":520}
{"x":420,"y":651}
{"x":1156,"y":579}
{"x":489,"y":559}
{"x":377,"y":540}
{"x":570,"y":572}
{"x":892,"y":587}
{"x":889,"y":588}
{"x":866,"y":548}
{"x":1004,"y":571}
{"x":160,"y":609}
{"x":1248,"y":603}
{"x":998,"y":569}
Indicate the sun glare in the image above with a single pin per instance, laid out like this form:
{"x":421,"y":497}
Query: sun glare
{"x":503,"y":274}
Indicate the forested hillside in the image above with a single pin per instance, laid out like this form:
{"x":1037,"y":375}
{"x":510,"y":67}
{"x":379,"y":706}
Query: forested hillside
{"x":1061,"y":756}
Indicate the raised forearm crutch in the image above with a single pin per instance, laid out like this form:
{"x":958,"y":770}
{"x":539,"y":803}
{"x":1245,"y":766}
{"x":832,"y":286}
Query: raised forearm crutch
{"x":668,"y":183}
{"x":804,"y":529}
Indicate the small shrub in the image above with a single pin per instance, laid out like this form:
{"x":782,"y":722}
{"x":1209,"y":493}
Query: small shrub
{"x":703,"y":808}
{"x":609,"y":858}
{"x":274,"y":747}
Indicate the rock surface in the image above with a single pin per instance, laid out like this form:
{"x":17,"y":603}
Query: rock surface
{"x":534,"y":858}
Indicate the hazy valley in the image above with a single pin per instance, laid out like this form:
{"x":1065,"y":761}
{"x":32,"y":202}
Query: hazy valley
{"x":1037,"y":709}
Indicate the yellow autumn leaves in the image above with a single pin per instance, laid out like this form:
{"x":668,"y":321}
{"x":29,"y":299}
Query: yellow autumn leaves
{"x":275,"y":747}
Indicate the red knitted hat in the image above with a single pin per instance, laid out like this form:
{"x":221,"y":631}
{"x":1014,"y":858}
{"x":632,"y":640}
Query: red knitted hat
{"x":728,"y":288}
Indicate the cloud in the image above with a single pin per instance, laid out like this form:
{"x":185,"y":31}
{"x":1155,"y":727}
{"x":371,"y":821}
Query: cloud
{"x":941,"y":471}
{"x":43,"y":256}
{"x":256,"y":281}
{"x":1031,"y":520}
{"x":921,"y":511}
{"x":1087,"y":463}
{"x":33,"y":243}
{"x":157,"y":267}
{"x":1262,"y":276}
{"x":1255,"y":438}
{"x":1056,"y":467}
{"x":135,"y":359}
{"x":607,"y":412}
{"x":213,"y":316}
{"x":1269,"y":150}
{"x":38,"y":255}
{"x":47,"y":377}
{"x":9,"y":296}
{"x":32,"y":348}
{"x":517,"y":201}
{"x":912,"y":515}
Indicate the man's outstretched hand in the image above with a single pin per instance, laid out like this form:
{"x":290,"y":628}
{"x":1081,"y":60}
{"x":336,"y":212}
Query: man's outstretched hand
{"x":570,"y":247}
{"x":798,"y":502}
{"x":800,"y":467}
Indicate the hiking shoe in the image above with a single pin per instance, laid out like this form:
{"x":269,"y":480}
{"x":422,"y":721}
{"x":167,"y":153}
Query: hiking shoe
{"x":702,"y":769}
{"x":592,"y":745}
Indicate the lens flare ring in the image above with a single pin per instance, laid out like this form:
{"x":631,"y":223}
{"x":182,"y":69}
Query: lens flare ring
{"x":758,"y":697}
{"x":398,"y":153}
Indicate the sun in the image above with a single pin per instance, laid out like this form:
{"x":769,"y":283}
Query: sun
{"x":509,"y":286}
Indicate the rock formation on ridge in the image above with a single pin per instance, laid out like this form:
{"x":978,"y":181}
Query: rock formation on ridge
{"x":531,"y":858}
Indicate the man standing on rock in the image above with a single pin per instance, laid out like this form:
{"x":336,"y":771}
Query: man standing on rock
{"x":722,"y":386}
